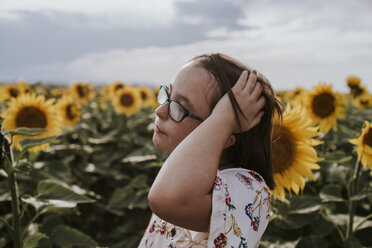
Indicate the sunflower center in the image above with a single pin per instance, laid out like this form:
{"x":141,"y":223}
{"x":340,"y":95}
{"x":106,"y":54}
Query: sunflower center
{"x":13,"y":92}
{"x":126,"y":100}
{"x":82,"y":91}
{"x":364,"y":103}
{"x":323,"y":105}
{"x":31,"y":117}
{"x":71,"y":111}
{"x":284,"y":149}
{"x":297,"y":92}
{"x":143,"y":95}
{"x":367,"y":139}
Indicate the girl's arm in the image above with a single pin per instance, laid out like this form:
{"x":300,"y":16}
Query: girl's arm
{"x":181,"y":192}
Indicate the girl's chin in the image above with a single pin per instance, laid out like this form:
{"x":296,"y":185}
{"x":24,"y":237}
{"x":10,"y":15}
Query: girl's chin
{"x":159,"y":143}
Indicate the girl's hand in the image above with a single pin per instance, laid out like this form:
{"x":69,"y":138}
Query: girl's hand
{"x":248,"y":96}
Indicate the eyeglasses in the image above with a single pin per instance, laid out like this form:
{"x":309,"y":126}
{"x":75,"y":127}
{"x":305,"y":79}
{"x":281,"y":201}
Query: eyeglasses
{"x":176,"y":111}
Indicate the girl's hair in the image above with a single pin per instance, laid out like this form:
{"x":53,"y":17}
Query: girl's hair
{"x":252,"y":149}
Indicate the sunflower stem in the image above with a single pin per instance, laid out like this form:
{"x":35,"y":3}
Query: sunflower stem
{"x":8,"y":157}
{"x":12,"y":182}
{"x":355,"y":178}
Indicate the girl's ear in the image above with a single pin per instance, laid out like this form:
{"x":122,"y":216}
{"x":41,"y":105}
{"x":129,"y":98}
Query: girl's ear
{"x":230,"y":141}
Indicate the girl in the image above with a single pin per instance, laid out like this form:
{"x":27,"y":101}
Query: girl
{"x":213,"y":190}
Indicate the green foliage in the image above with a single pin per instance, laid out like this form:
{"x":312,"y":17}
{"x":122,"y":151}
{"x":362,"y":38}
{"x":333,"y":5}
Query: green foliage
{"x":37,"y":240}
{"x":66,"y":237}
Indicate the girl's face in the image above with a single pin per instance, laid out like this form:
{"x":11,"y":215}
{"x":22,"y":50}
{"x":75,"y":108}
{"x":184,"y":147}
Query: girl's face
{"x":193,"y":89}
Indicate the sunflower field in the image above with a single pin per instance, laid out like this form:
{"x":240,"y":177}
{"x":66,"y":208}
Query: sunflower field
{"x":77,"y":162}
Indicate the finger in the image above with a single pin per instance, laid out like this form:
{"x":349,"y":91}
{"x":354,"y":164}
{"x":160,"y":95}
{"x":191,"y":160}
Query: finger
{"x":257,"y":91}
{"x":250,"y":85}
{"x":257,"y":119}
{"x":261,"y":102}
{"x":242,"y":80}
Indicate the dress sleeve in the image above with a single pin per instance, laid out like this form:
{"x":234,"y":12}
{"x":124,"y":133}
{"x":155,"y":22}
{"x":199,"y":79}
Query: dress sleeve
{"x":240,"y":209}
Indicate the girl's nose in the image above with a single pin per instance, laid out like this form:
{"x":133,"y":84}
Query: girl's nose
{"x":162,"y":111}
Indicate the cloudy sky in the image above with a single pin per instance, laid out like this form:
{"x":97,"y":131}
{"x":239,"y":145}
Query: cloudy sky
{"x":293,"y":43}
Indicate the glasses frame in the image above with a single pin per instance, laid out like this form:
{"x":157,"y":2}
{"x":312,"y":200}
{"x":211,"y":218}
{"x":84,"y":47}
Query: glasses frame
{"x":186,"y":112}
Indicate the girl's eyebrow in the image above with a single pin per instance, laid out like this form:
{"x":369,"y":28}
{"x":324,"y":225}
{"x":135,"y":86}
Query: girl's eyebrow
{"x":183,"y":98}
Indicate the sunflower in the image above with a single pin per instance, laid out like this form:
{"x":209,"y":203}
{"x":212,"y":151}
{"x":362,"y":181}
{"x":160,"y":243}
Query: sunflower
{"x":58,"y":92}
{"x":70,"y":110}
{"x":363,"y":101}
{"x":293,"y":154}
{"x":353,"y":81}
{"x":324,"y":106}
{"x":110,"y":89}
{"x":83,"y":92}
{"x":127,"y":100}
{"x":155,"y":92}
{"x":147,"y":96}
{"x":356,"y":89}
{"x":295,"y":96}
{"x":10,"y":91}
{"x":364,"y":145}
{"x":31,"y":111}
{"x":24,"y":86}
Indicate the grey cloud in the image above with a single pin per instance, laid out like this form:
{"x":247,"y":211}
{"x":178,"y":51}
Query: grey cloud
{"x":42,"y":38}
{"x":213,"y":13}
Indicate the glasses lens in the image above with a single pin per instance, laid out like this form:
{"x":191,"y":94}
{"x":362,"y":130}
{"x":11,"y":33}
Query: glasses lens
{"x":176,"y":111}
{"x":162,"y":95}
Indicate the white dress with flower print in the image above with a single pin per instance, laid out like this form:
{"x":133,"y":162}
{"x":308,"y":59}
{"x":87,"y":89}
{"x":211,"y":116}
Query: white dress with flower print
{"x":240,"y":214}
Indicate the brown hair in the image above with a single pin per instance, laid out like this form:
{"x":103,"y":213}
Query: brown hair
{"x":252,"y":149}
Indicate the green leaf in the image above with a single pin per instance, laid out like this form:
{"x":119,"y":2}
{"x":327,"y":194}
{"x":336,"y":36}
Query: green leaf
{"x":361,"y":222}
{"x":321,"y":227}
{"x":23,"y":166}
{"x":7,"y":165}
{"x":37,"y":240}
{"x":294,"y":221}
{"x":339,"y":219}
{"x":331,"y":193}
{"x":51,"y":221}
{"x":4,"y":191}
{"x":139,"y":158}
{"x":304,"y":205}
{"x":339,"y":174}
{"x":139,"y":182}
{"x":51,"y":190}
{"x":121,"y":197}
{"x":140,"y":200}
{"x":311,"y":242}
{"x":32,"y":142}
{"x":65,"y":237}
{"x":28,"y":131}
{"x":43,"y":204}
{"x":358,"y":197}
{"x":52,"y":194}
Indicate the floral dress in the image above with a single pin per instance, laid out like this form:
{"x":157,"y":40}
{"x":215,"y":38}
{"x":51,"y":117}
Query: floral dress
{"x":240,"y":214}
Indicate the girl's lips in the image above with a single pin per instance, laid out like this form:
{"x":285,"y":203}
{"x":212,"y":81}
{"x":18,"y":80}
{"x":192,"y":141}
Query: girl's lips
{"x":158,"y":130}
